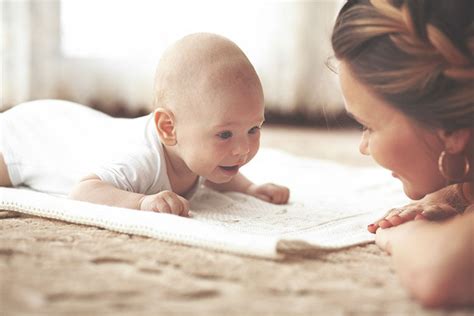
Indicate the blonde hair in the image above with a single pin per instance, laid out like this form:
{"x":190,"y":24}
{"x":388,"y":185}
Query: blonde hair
{"x":415,"y":54}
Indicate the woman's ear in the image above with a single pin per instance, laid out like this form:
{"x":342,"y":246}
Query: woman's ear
{"x":455,"y":142}
{"x":164,"y":122}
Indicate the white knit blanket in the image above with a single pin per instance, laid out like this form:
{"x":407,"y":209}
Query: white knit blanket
{"x":329,"y":209}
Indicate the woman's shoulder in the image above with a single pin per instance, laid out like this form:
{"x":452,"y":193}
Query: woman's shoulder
{"x":470,"y":210}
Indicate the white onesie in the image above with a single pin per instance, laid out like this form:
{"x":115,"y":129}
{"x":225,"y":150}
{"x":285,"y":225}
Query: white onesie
{"x":49,"y":145}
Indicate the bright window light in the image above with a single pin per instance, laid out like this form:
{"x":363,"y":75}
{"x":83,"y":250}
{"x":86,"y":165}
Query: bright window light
{"x":142,"y":29}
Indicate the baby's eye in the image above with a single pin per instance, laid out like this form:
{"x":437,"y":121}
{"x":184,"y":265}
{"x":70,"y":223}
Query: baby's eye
{"x":254,"y":129}
{"x":225,"y":135}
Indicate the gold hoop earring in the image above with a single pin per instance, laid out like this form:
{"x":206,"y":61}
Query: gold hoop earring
{"x":442,"y":168}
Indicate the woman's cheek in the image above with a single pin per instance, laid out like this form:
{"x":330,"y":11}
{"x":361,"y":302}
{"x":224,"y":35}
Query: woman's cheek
{"x":381,"y":151}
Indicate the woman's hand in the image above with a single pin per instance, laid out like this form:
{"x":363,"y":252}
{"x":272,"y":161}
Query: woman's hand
{"x":437,"y":206}
{"x":413,"y":211}
{"x":270,"y":192}
{"x":399,"y":236}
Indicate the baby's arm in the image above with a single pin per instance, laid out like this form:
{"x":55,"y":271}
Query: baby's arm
{"x":269,"y":192}
{"x":93,"y":189}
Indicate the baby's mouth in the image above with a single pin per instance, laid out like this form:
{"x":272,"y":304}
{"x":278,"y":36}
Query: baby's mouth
{"x":230,"y":168}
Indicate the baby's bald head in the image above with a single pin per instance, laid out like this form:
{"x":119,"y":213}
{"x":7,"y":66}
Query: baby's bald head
{"x":196,"y":67}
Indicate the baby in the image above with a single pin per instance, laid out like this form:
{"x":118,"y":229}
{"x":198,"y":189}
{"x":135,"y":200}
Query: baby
{"x":208,"y":111}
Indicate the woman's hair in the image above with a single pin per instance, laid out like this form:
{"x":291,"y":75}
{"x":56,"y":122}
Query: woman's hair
{"x":415,"y":54}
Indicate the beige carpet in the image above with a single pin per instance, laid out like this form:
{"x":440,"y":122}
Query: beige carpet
{"x":54,"y":268}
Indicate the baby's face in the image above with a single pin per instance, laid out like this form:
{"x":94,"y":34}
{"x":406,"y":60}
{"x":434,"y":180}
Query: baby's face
{"x":223,"y":132}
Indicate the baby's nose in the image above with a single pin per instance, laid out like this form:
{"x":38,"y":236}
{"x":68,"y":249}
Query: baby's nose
{"x":241,"y":148}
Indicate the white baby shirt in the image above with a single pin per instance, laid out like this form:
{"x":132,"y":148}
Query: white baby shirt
{"x":49,"y":145}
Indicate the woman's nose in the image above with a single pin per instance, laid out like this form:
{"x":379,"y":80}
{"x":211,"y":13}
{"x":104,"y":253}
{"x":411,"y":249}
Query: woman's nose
{"x":364,"y":145}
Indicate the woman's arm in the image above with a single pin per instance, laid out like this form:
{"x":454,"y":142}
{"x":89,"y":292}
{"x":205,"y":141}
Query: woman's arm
{"x":434,"y":260}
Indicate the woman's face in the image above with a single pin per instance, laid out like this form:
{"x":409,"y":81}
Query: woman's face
{"x":394,"y":141}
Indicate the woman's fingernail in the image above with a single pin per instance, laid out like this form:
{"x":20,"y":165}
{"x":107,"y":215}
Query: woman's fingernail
{"x":372,"y":228}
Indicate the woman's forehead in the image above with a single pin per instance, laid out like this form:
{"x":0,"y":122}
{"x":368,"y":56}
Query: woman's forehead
{"x":360,"y":101}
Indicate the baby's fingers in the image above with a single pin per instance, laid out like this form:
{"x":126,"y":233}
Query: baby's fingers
{"x":162,"y":206}
{"x":185,"y":206}
{"x":177,"y":204}
{"x":285,"y":195}
{"x":276,"y":194}
{"x":281,"y":195}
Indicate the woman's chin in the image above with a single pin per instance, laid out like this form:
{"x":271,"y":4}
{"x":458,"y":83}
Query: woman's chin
{"x":419,"y":191}
{"x":413,"y":194}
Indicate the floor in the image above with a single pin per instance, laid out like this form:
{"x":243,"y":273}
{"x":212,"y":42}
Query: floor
{"x":54,"y":268}
{"x":339,"y":145}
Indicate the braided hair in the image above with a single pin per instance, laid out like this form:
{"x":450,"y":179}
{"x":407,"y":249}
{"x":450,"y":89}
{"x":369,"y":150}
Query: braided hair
{"x":418,"y":55}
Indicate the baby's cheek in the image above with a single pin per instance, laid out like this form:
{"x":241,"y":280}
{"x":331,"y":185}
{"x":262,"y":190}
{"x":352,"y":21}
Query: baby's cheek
{"x":253,"y":150}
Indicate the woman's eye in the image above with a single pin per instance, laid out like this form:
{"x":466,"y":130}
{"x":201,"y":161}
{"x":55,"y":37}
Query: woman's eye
{"x":225,"y":135}
{"x":254,"y":129}
{"x":363,"y":128}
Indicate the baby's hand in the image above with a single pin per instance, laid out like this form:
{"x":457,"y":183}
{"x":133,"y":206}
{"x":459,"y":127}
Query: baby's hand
{"x":165,"y":202}
{"x":414,"y":211}
{"x":270,"y":192}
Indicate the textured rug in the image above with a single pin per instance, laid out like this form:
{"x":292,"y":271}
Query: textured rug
{"x":330,"y":207}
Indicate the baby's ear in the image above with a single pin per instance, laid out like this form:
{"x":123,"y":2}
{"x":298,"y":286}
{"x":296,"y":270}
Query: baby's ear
{"x":164,"y":122}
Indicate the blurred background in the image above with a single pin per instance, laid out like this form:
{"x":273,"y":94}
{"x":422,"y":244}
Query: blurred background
{"x":103,"y":53}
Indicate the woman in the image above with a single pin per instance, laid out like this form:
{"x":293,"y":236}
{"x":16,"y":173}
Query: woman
{"x":406,"y":70}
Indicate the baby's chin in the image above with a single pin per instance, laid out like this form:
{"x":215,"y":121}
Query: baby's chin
{"x":217,"y":178}
{"x":220,"y":181}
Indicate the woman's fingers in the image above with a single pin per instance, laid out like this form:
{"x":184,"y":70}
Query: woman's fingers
{"x":385,"y":224}
{"x":396,"y":220}
{"x":411,"y":212}
{"x":397,"y":216}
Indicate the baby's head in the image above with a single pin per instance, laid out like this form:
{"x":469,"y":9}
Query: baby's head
{"x":209,"y":106}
